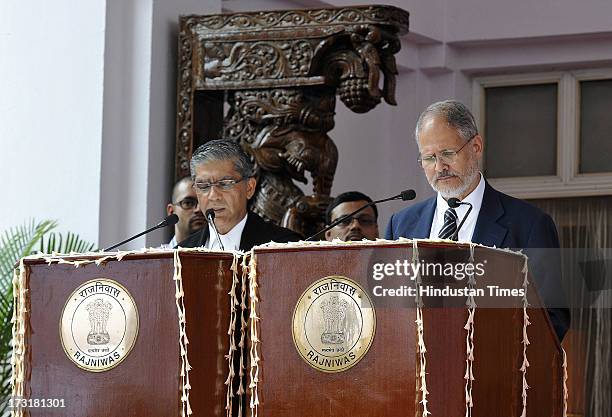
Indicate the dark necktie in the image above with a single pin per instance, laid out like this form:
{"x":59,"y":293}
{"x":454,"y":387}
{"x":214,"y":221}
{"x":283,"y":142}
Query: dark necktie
{"x":450,"y":224}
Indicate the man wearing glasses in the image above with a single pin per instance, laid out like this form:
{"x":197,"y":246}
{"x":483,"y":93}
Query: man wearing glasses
{"x":185,"y":205}
{"x":223,"y":180}
{"x":450,"y":153}
{"x":364,"y":225}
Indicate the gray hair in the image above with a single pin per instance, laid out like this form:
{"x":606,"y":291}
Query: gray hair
{"x":456,"y":114}
{"x":222,"y":150}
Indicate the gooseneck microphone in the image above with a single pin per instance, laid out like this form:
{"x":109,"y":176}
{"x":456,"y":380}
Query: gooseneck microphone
{"x":170,"y":220}
{"x":404,"y":196}
{"x":210,"y":216}
{"x":454,"y":203}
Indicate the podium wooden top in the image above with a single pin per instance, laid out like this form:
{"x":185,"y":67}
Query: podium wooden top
{"x":379,"y":243}
{"x":155,"y":253}
{"x":151,"y":253}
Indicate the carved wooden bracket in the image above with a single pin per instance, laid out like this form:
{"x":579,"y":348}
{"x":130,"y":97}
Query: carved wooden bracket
{"x":279,"y":72}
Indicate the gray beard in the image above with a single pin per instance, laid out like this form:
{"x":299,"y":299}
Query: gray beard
{"x":457,"y":192}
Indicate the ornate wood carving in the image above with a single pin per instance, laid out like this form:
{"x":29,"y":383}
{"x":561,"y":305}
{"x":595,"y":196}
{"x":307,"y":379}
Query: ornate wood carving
{"x":281,"y":71}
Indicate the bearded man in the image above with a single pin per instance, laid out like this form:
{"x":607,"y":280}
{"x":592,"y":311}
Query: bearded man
{"x":362,"y":226}
{"x":184,"y":204}
{"x":450,"y":153}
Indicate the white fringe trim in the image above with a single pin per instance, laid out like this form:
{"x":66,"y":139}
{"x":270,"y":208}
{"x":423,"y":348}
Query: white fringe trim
{"x":243,"y":331}
{"x":469,"y":341}
{"x":565,"y":392}
{"x":525,"y":340}
{"x":421,"y":349}
{"x":253,"y":320}
{"x":183,"y":342}
{"x":20,"y":322}
{"x":234,"y":304}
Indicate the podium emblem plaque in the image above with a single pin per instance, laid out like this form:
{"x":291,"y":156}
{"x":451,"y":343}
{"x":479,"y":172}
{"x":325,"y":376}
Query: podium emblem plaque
{"x":99,"y":325}
{"x":334,"y":323}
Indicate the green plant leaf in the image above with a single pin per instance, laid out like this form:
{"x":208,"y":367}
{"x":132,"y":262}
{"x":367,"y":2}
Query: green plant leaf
{"x":15,"y":243}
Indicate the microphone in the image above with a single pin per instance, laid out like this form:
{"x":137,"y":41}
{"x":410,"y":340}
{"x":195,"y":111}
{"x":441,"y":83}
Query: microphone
{"x":210,"y":216}
{"x":404,"y":196}
{"x":454,"y":203}
{"x":170,"y":220}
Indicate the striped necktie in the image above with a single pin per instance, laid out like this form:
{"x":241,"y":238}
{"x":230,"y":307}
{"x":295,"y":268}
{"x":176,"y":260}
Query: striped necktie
{"x":450,"y":224}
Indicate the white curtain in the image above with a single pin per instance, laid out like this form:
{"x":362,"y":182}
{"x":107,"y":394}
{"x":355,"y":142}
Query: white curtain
{"x":585,"y":233}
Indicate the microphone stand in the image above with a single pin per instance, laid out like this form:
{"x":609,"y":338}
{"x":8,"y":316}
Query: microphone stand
{"x":455,"y":235}
{"x":404,"y":195}
{"x":210,"y":216}
{"x":168,"y":221}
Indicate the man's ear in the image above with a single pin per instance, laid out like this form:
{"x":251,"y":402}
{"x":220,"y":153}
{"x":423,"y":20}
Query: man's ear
{"x":328,"y":235}
{"x":169,"y":209}
{"x":478,"y":145}
{"x":251,"y":184}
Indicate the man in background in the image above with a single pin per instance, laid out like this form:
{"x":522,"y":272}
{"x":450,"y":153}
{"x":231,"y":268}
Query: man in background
{"x":185,"y":205}
{"x":363,"y":225}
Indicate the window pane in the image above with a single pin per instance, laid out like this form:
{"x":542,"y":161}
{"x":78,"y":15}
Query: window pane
{"x":595,"y":126}
{"x":521,"y":131}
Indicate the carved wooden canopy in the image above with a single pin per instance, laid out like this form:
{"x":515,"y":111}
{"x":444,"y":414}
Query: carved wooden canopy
{"x":278,"y":73}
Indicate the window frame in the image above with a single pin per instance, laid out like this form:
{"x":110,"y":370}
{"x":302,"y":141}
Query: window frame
{"x":568,"y":182}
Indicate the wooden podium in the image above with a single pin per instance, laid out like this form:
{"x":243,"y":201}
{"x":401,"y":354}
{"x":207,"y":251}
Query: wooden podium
{"x":148,"y":381}
{"x":415,"y":360}
{"x":388,"y":380}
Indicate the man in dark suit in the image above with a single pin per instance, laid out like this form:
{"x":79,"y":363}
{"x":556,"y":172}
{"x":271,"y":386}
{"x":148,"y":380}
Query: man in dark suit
{"x":223,"y":179}
{"x":450,"y":153}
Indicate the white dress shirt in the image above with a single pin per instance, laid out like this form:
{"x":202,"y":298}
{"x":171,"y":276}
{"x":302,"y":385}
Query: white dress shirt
{"x":169,"y":245}
{"x":467,"y":230}
{"x":231,"y":240}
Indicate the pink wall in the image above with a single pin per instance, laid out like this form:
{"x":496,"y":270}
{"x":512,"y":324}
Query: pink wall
{"x":468,"y":20}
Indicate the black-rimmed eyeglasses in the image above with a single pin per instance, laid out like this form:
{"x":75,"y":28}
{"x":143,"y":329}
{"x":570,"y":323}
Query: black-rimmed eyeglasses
{"x":187,"y":203}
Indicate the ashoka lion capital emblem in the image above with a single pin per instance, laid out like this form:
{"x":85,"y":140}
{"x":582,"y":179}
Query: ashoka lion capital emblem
{"x":334,"y":317}
{"x":99,"y":325}
{"x":99,"y":311}
{"x":334,"y":323}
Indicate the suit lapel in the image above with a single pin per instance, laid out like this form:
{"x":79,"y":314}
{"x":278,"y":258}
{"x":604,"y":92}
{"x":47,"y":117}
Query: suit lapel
{"x":488,"y":231}
{"x":248,"y":233}
{"x":423,"y":225}
{"x":203,"y":236}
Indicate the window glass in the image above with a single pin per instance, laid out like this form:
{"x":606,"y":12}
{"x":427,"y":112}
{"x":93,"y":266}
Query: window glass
{"x":595,"y":126}
{"x":521,"y":131}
